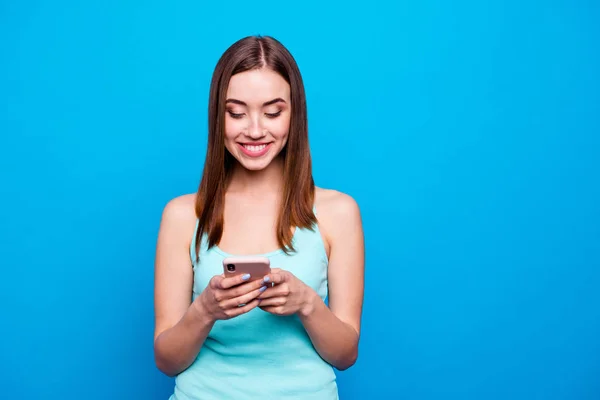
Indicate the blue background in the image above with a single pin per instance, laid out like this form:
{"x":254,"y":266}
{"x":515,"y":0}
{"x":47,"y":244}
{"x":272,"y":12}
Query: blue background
{"x":468,"y":132}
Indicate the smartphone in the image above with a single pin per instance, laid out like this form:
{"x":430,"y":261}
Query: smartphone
{"x":257,"y":267}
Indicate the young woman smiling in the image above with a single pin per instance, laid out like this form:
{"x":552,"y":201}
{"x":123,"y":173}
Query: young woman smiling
{"x":227,"y":338}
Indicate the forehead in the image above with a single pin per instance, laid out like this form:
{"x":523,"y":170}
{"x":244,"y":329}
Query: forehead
{"x":258,"y":86}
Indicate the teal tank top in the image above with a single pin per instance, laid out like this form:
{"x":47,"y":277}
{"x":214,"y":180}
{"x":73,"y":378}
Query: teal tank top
{"x":258,"y":355}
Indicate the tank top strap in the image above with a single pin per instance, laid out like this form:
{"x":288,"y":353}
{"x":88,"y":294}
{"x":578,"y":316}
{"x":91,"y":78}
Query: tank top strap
{"x":307,"y":239}
{"x":193,"y":243}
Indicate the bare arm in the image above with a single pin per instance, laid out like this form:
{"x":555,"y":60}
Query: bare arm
{"x":335,"y":331}
{"x":180,"y":327}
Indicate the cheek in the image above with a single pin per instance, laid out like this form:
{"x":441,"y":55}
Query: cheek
{"x":232,"y":128}
{"x":280,"y":128}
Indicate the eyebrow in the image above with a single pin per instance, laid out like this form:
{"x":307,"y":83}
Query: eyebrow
{"x":268,"y":103}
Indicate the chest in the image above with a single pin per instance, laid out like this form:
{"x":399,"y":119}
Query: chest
{"x":250,"y":226}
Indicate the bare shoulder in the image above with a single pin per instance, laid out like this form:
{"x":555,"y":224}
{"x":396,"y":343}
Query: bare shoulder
{"x":335,"y":205}
{"x":179,"y":216}
{"x":181,"y":207}
{"x":336,"y":212}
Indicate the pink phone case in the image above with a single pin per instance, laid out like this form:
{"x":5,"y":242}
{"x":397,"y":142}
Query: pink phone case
{"x":257,"y":267}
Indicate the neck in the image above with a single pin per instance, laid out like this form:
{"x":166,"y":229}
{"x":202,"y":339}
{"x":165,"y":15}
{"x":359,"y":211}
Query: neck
{"x":266,"y":181}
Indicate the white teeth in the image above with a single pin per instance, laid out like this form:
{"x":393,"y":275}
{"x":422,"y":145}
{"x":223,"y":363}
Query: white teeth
{"x":255,"y":148}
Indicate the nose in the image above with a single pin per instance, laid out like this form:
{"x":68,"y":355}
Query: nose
{"x":255,"y":130}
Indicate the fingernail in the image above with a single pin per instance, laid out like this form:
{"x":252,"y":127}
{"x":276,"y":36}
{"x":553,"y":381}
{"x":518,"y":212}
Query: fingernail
{"x":262,"y":289}
{"x":246,"y":277}
{"x":267,"y":279}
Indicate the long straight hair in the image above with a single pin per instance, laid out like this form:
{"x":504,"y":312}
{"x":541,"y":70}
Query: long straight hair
{"x":296,"y":209}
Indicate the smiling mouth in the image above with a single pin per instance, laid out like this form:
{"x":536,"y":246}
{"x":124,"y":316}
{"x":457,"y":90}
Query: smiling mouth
{"x":254,"y":149}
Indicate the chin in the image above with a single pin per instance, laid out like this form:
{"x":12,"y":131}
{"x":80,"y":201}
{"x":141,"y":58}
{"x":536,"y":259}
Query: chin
{"x":254,"y":165}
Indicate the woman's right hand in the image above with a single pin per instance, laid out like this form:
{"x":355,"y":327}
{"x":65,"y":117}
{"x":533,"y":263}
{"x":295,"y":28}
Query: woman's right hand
{"x":226,"y":298}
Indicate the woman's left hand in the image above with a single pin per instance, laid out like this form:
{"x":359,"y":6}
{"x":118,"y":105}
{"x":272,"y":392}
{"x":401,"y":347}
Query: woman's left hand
{"x":288,"y":295}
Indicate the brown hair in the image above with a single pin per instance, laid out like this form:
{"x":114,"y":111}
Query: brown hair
{"x":296,"y":210}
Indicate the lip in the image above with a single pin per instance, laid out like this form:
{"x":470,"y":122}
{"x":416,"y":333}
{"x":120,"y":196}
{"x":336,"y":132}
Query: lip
{"x":254,"y":153}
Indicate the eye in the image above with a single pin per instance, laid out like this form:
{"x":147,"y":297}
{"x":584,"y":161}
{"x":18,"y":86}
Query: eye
{"x":273,"y":115}
{"x":234,"y":115}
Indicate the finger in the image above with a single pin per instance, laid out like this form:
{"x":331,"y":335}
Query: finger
{"x":242,"y":289}
{"x":275,"y":310}
{"x":234,"y":312}
{"x":273,"y":301}
{"x":275,"y":277}
{"x":276,"y":291}
{"x":238,"y":290}
{"x":227,"y":283}
{"x":244,"y":299}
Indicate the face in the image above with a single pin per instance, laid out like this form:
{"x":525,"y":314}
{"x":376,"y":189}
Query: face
{"x":257,"y":117}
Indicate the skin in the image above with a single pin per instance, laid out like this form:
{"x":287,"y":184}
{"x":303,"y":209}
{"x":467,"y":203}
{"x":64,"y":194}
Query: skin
{"x":251,"y":203}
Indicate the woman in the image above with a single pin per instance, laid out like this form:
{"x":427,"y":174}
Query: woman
{"x":224,"y":338}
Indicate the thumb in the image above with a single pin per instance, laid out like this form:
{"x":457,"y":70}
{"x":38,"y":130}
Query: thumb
{"x":215,"y":282}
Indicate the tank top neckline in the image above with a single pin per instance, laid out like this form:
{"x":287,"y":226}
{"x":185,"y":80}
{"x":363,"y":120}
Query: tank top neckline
{"x":272,"y":253}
